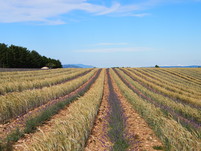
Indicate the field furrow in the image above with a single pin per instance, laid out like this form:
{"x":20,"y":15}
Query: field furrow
{"x":23,"y":122}
{"x":99,"y":139}
{"x":20,"y":86}
{"x":179,"y":75}
{"x":69,"y":129}
{"x":118,"y":126}
{"x":189,"y":117}
{"x":184,"y":76}
{"x":169,"y":85}
{"x":172,"y":134}
{"x":161,"y":73}
{"x":32,"y":75}
{"x":185,"y":99}
{"x":18,"y":103}
{"x":120,"y":109}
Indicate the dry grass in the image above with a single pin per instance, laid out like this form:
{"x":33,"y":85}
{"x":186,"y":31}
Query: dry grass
{"x":175,"y":95}
{"x":171,"y":133}
{"x":23,"y":83}
{"x":175,"y":87}
{"x":16,"y":103}
{"x":70,"y":131}
{"x":185,"y":110}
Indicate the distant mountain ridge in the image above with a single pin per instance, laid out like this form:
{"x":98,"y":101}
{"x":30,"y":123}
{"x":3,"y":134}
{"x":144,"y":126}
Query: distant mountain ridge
{"x":77,"y":66}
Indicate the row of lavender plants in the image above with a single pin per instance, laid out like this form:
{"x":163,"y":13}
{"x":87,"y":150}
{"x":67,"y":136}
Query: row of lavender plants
{"x":188,"y":116}
{"x":172,"y":133}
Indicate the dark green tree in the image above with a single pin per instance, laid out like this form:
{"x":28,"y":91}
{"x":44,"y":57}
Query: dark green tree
{"x":20,"y":57}
{"x":4,"y":52}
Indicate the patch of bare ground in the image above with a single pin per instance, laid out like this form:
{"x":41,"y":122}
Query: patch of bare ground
{"x":20,"y":121}
{"x":21,"y":145}
{"x":140,"y":135}
{"x":98,"y":140}
{"x":45,"y":128}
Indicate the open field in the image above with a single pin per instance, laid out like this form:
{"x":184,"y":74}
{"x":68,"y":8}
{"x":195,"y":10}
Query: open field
{"x":101,"y":109}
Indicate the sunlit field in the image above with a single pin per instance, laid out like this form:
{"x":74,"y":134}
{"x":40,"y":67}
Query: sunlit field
{"x":63,"y":109}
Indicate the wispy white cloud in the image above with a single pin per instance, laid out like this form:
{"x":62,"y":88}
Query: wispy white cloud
{"x":111,"y":44}
{"x":114,"y":8}
{"x":114,"y":50}
{"x":49,"y":11}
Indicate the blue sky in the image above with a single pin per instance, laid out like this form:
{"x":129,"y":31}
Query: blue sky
{"x":106,"y":33}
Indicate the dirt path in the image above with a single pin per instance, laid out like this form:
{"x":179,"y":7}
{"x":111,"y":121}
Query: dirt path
{"x":140,"y":136}
{"x":98,"y":140}
{"x":19,"y":122}
{"x":135,"y":131}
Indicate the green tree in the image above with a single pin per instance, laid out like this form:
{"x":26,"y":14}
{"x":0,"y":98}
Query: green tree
{"x":20,"y":57}
{"x":4,"y":56}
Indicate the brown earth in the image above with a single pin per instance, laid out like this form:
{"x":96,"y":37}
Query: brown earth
{"x":20,"y":121}
{"x":140,"y":136}
{"x":137,"y":130}
{"x":98,"y":140}
{"x":175,"y":115}
{"x":47,"y":126}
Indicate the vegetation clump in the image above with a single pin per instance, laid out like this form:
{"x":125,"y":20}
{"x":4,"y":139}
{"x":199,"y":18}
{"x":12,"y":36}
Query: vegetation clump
{"x":20,"y":57}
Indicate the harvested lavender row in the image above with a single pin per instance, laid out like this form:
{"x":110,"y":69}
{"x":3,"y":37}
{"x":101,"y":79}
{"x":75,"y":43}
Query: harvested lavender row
{"x":186,"y":117}
{"x":117,"y":120}
{"x":41,"y":83}
{"x":186,"y":122}
{"x":158,"y":92}
{"x":68,"y":98}
{"x":45,"y":112}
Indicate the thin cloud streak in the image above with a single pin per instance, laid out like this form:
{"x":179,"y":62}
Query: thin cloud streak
{"x":111,"y":44}
{"x":49,"y":11}
{"x":114,"y":50}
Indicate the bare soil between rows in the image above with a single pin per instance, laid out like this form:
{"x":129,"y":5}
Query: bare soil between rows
{"x":140,"y":135}
{"x":178,"y":116}
{"x":20,"y":121}
{"x":57,"y":83}
{"x":47,"y":126}
{"x":136,"y":131}
{"x":98,"y":140}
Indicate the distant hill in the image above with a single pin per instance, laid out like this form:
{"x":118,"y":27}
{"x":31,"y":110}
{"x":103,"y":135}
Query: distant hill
{"x":77,"y":66}
{"x":192,"y":66}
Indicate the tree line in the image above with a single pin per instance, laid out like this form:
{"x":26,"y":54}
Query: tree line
{"x":20,"y":57}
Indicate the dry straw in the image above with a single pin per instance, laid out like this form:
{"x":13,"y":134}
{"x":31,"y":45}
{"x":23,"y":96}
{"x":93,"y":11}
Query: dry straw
{"x":70,"y":131}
